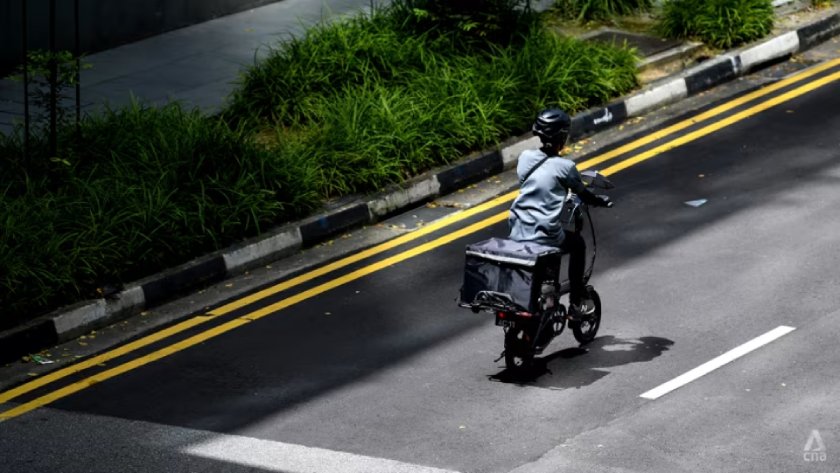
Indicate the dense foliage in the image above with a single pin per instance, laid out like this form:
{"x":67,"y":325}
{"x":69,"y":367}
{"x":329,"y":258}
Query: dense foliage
{"x":141,"y":189}
{"x":718,"y":23}
{"x":350,"y":107}
{"x":467,"y":23}
{"x":585,"y":10}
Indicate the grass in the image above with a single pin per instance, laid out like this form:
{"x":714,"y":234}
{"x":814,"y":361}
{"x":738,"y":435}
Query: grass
{"x":393,"y":106}
{"x":718,"y":23}
{"x":350,"y":107}
{"x":600,"y":10}
{"x":144,"y":188}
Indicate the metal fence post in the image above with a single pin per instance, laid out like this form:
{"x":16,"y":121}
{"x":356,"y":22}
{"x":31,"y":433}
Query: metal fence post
{"x":25,"y":50}
{"x":53,"y":83}
{"x":78,"y":78}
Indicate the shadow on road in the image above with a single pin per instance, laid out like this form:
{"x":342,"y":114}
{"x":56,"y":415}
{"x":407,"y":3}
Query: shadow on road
{"x":581,"y":366}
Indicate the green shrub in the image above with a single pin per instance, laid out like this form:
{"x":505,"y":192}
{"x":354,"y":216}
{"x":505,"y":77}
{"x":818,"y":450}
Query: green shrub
{"x":145,"y":189}
{"x":586,"y":10}
{"x":322,"y":62}
{"x":466,"y":24}
{"x":718,"y":23}
{"x":372,"y":106}
{"x":350,"y":107}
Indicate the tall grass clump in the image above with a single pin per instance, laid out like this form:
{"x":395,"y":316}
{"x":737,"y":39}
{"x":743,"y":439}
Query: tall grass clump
{"x":144,"y":190}
{"x":465,"y":25}
{"x":350,"y":107}
{"x":386,"y":45}
{"x":718,"y":23}
{"x":588,"y":10}
{"x":381,"y":106}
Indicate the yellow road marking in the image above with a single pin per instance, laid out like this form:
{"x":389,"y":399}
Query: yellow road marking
{"x":446,"y":221}
{"x":100,"y":359}
{"x":722,"y":124}
{"x":189,"y":323}
{"x":510,"y":196}
{"x":723,"y":108}
{"x":390,"y":244}
{"x":238,"y":322}
{"x":118,"y":370}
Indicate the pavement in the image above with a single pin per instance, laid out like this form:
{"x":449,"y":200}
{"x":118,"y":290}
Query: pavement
{"x":198,"y":65}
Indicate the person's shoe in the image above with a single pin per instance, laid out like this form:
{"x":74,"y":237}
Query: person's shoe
{"x":578,"y":312}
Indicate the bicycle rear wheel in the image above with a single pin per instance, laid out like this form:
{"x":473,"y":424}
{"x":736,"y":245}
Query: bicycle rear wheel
{"x":585,"y":330}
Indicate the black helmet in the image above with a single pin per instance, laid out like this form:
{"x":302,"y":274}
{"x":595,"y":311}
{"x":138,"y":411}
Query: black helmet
{"x":552,"y":126}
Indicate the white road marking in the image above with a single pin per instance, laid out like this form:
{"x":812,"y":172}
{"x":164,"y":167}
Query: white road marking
{"x":272,"y":456}
{"x":716,"y":363}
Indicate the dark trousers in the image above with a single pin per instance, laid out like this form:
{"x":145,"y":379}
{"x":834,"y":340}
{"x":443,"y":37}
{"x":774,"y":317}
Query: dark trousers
{"x":574,"y":245}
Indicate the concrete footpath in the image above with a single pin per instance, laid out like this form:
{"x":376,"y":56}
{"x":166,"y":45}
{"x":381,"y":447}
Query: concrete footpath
{"x":197,"y":66}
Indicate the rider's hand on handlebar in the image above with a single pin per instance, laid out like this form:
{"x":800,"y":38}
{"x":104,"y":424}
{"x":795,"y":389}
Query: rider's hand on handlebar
{"x":605,"y":200}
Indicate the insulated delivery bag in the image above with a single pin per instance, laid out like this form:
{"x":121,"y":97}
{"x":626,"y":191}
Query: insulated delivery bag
{"x":511,"y":267}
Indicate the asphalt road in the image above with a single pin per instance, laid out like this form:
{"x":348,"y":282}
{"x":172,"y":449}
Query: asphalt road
{"x":374,"y":368}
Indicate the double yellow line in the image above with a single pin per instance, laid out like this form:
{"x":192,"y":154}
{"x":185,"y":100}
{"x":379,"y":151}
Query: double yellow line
{"x":376,"y":250}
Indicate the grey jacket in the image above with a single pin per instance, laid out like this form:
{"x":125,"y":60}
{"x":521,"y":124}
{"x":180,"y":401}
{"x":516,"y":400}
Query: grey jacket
{"x":535,"y":213}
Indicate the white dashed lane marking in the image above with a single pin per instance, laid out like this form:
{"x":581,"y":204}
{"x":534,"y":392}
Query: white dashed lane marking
{"x":716,"y":363}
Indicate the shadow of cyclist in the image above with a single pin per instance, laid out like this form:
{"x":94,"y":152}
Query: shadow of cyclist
{"x":574,"y":370}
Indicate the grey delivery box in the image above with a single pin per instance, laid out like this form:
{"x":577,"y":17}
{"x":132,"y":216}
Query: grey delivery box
{"x":513,"y":267}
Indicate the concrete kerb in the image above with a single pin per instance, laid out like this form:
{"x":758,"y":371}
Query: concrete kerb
{"x":68,"y":323}
{"x":707,"y":75}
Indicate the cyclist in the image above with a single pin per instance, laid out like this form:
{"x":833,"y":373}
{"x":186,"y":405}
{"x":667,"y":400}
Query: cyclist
{"x":545,"y":177}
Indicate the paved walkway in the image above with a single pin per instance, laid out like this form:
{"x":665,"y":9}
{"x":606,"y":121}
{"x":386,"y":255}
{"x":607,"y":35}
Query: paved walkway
{"x":196,"y":65}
